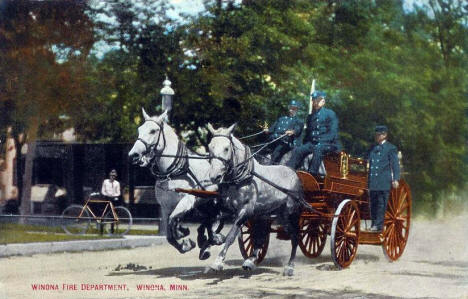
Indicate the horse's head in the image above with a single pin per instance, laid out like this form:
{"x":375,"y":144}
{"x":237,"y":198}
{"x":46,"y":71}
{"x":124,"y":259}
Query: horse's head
{"x":151,"y":140}
{"x":221,"y":149}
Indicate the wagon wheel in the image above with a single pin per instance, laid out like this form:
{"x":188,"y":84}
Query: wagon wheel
{"x":345,"y":233}
{"x":312,"y":236}
{"x":397,"y":222}
{"x":75,"y":220}
{"x":246,"y":245}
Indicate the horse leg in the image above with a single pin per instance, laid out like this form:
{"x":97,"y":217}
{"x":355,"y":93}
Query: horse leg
{"x":204,"y":243}
{"x":172,"y":240}
{"x":183,"y":206}
{"x":201,"y":238}
{"x":260,"y":229}
{"x":293,"y":229}
{"x":218,"y":264}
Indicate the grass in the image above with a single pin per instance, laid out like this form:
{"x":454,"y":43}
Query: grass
{"x":24,"y":233}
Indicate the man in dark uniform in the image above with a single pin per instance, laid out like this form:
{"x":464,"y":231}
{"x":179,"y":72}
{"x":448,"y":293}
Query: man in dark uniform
{"x":321,"y":135}
{"x":290,"y":125}
{"x":384,"y":173}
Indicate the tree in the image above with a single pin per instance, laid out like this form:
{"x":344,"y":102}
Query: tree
{"x":38,"y":42}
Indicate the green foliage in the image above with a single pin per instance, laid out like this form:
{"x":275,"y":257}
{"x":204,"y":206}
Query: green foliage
{"x":243,"y":61}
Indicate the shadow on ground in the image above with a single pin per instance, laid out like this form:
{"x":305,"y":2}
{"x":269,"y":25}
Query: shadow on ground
{"x":192,"y":273}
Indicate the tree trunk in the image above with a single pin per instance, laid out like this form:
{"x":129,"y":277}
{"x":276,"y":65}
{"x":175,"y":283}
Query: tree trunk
{"x":25,"y":208}
{"x":19,"y":168}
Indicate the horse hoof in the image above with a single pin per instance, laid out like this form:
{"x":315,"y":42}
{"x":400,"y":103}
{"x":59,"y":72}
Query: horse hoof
{"x":218,"y":239}
{"x":288,"y":271}
{"x":187,"y":245}
{"x":218,"y":265}
{"x":204,"y":254}
{"x":249,"y":265}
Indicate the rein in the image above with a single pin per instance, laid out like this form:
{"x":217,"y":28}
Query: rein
{"x":244,"y":171}
{"x":251,"y":135}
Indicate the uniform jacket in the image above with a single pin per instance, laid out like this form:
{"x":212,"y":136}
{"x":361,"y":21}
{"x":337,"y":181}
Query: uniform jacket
{"x":322,"y":128}
{"x":284,"y":124}
{"x":383,"y":166}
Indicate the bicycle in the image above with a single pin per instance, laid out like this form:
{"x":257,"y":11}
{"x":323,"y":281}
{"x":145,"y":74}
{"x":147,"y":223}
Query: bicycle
{"x":113,"y":220}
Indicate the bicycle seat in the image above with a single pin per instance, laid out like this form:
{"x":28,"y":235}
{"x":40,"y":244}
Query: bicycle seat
{"x":95,"y":194}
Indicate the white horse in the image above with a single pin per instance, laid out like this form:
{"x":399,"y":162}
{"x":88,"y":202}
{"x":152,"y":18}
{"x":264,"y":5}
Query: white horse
{"x":252,"y":190}
{"x":159,"y":148}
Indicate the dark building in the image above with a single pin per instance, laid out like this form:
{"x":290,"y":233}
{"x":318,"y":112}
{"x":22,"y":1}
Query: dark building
{"x":81,"y":168}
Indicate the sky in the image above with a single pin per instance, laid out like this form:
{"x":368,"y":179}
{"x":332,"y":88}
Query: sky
{"x":193,"y":7}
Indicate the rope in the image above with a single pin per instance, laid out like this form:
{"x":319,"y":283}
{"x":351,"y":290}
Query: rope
{"x":268,"y":143}
{"x":251,"y":135}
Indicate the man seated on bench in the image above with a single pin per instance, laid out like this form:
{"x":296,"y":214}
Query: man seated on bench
{"x":321,"y":135}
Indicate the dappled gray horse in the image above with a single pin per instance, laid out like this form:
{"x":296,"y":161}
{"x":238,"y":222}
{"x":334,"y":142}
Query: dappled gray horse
{"x":159,"y":148}
{"x":252,"y":190}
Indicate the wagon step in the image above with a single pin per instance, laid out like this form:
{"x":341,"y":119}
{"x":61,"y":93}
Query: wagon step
{"x":370,"y":238}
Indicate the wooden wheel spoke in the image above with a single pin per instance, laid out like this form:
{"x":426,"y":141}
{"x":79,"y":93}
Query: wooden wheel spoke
{"x":402,"y":199}
{"x":341,"y":250}
{"x":315,"y":245}
{"x":352,"y":224}
{"x":350,"y":219}
{"x":340,"y":229}
{"x":308,"y":243}
{"x":346,"y":253}
{"x":249,"y":247}
{"x":403,"y":209}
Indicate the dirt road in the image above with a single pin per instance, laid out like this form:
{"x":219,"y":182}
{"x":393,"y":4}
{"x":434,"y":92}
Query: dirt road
{"x":435,"y":264}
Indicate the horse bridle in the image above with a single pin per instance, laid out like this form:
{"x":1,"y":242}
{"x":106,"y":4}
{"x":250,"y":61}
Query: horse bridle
{"x":228,"y":163}
{"x":239,"y":172}
{"x":149,"y":148}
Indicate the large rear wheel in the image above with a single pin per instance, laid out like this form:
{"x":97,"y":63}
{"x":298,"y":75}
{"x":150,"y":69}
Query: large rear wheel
{"x":345,"y":233}
{"x":397,"y":221}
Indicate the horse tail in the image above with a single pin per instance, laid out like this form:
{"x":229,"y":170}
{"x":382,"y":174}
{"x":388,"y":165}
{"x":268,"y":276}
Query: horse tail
{"x":304,"y":204}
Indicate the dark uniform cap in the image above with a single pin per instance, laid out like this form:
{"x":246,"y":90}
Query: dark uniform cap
{"x":294,"y":103}
{"x":381,"y":129}
{"x":318,"y":94}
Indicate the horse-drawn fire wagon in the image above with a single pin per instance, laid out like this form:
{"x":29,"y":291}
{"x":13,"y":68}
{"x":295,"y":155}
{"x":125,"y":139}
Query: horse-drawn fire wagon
{"x":332,"y":204}
{"x":341,"y":201}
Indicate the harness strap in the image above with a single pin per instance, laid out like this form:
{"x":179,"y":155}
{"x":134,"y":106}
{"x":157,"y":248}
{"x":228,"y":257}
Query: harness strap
{"x":288,"y":192}
{"x":178,"y":166}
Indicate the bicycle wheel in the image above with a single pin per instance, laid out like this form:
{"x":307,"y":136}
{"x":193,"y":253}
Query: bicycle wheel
{"x":74,"y":221}
{"x":124,"y":222}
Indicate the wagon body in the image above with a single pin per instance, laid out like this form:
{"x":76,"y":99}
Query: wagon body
{"x":340,"y":199}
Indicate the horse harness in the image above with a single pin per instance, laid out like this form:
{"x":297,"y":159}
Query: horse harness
{"x":240,"y":173}
{"x":178,"y":167}
{"x":244,"y":171}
